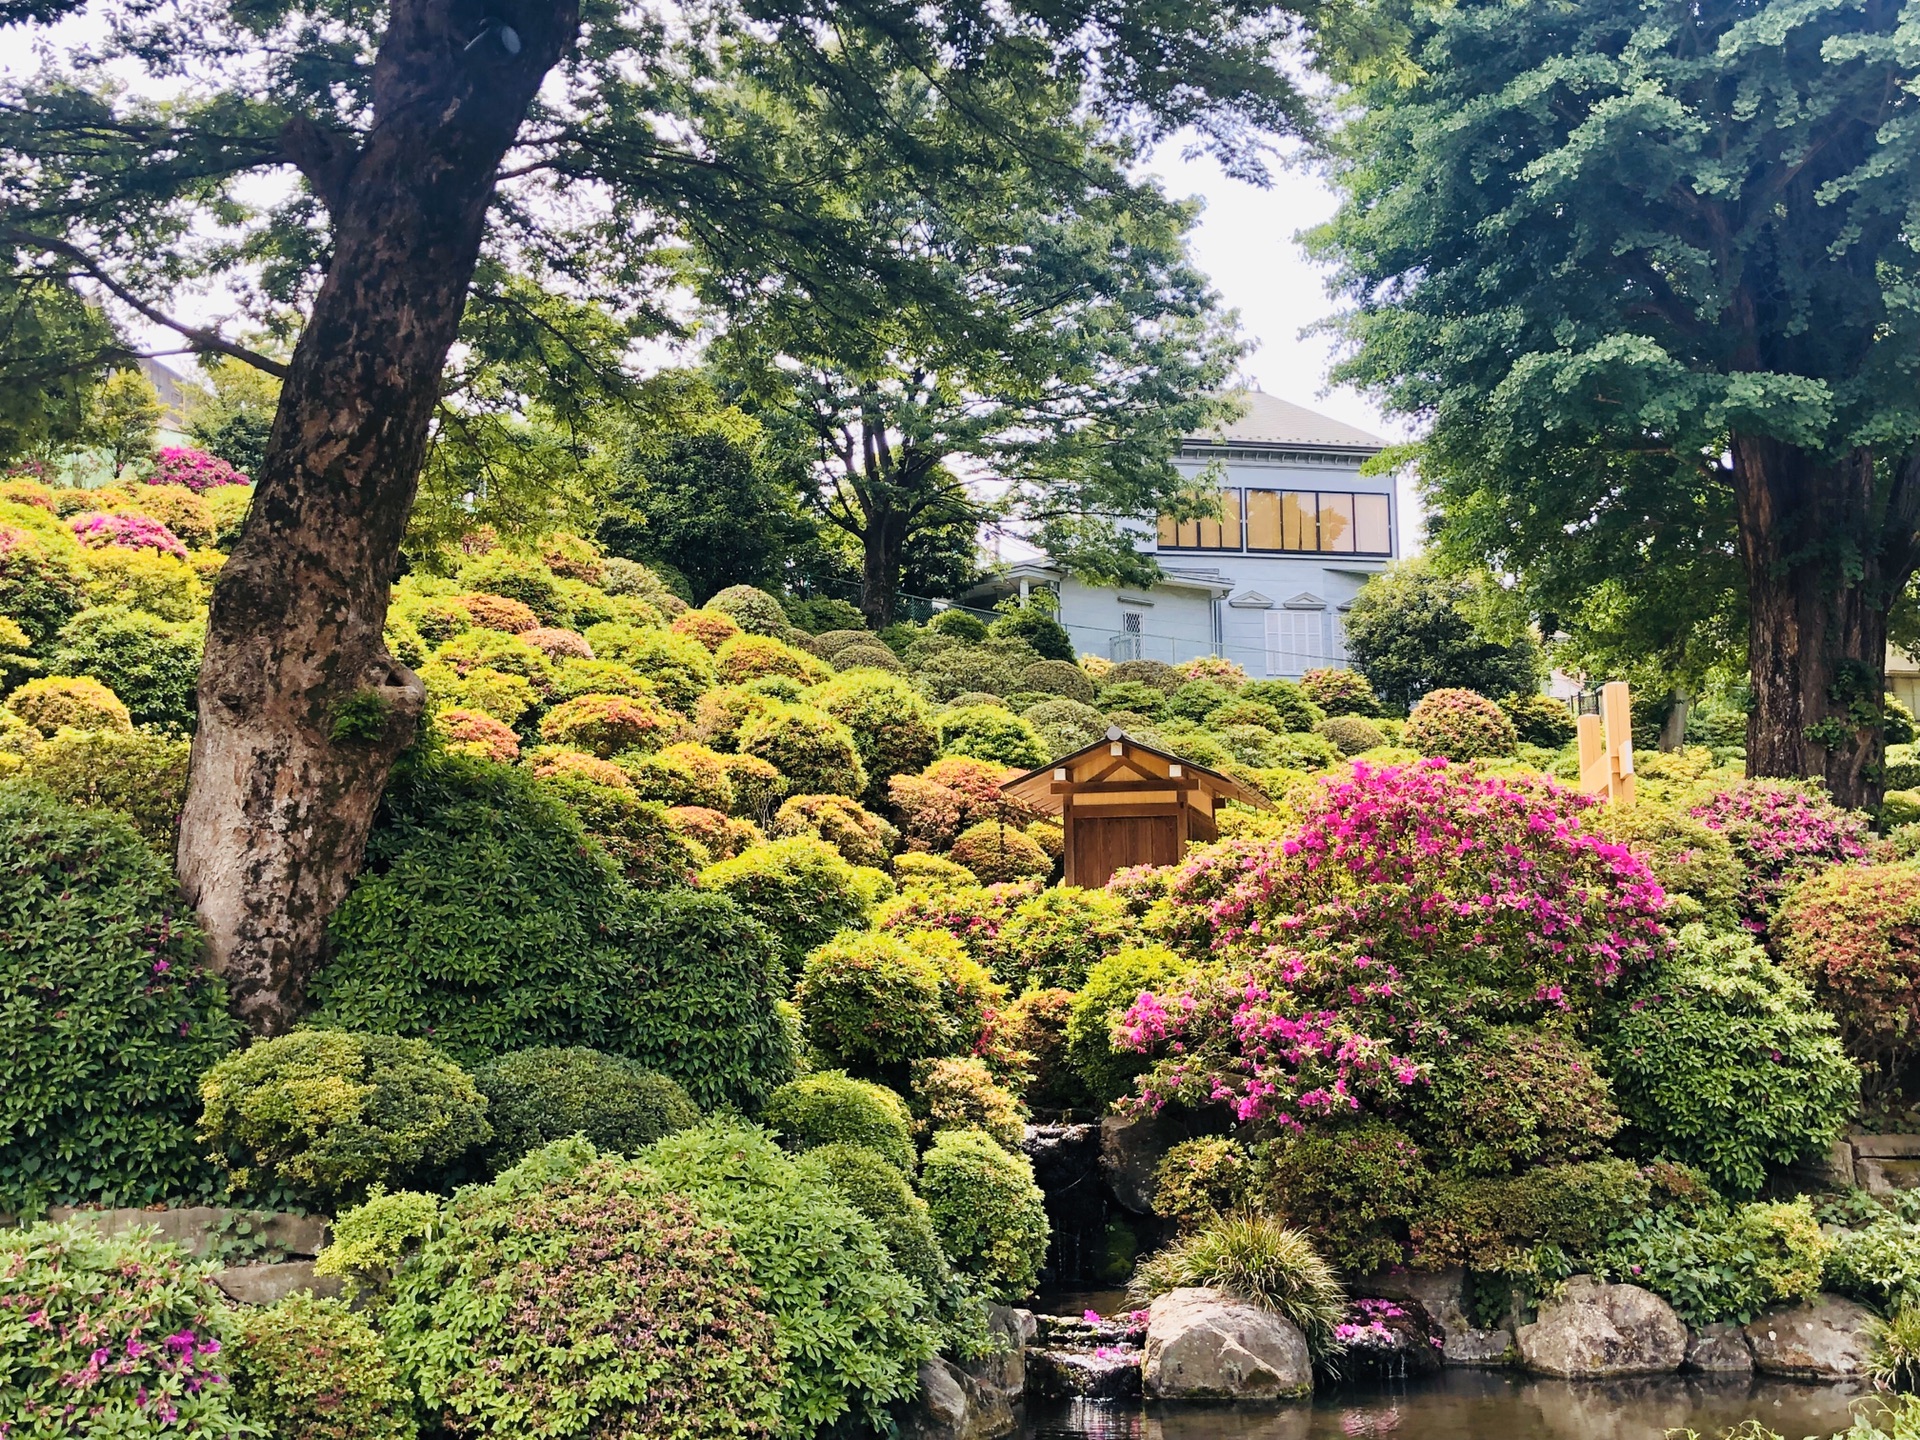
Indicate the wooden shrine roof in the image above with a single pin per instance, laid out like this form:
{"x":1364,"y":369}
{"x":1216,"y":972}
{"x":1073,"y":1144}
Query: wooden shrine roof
{"x":1036,"y":786}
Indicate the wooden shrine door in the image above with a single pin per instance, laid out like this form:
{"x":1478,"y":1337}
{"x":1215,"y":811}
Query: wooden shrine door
{"x":1105,"y":844}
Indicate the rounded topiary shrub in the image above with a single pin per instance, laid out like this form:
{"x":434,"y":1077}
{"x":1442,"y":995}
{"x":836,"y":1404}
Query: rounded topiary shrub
{"x":1284,"y":698}
{"x":40,"y":581}
{"x":891,"y":725}
{"x":1516,"y":1096}
{"x":710,"y":627}
{"x":1340,"y":692}
{"x":151,"y":665}
{"x":1781,"y":831}
{"x":1540,"y":720}
{"x":1157,"y":673}
{"x":754,"y":611}
{"x":1034,"y":1028}
{"x":868,"y":656}
{"x":861,"y":837}
{"x":1112,"y":985}
{"x":1198,"y":1180}
{"x":955,"y":1093}
{"x":989,"y":732}
{"x":517,"y":577}
{"x":1063,"y":726}
{"x":756,"y":657}
{"x":54,"y":702}
{"x":720,"y":835}
{"x":1054,"y":938}
{"x":871,"y":1002}
{"x":1460,"y":725}
{"x":989,"y":1216}
{"x":801,"y":889}
{"x":1197,"y":699}
{"x":830,"y":1107}
{"x":1720,"y":1058}
{"x":107,"y":1017}
{"x":875,"y":1187}
{"x":814,"y":752}
{"x":558,"y":644}
{"x":1132,"y":697}
{"x":997,"y":852}
{"x":1350,"y":734}
{"x":315,"y":1369}
{"x":1352,"y":1190}
{"x":140,"y":775}
{"x":497,"y":612}
{"x":609,"y":725}
{"x":323,"y":1115}
{"x":686,"y":773}
{"x":1059,"y":677}
{"x":757,"y":786}
{"x":1853,"y":934}
{"x":573,"y":1291}
{"x":485,"y":648}
{"x":537,"y":1096}
{"x":1694,"y":864}
{"x":135,"y":1332}
{"x":476,"y":734}
{"x":1034,"y":626}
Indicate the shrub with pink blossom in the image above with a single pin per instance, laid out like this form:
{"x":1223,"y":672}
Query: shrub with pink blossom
{"x":1409,"y":901}
{"x":1460,"y":725}
{"x":195,"y":469}
{"x":1781,"y":831}
{"x":127,"y":532}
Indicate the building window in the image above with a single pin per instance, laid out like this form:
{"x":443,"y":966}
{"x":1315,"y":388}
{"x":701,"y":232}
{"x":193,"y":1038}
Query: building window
{"x":1309,"y":522}
{"x":1206,"y":534}
{"x":1294,"y":641}
{"x":1129,"y":622}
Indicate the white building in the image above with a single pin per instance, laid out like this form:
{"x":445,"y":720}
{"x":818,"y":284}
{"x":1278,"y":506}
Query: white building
{"x":1267,"y":584}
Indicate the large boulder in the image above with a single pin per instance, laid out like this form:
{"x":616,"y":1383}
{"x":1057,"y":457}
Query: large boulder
{"x":1826,"y":1340}
{"x":974,"y":1401}
{"x":1719,"y":1349}
{"x":1131,"y":1149}
{"x":1594,"y":1330}
{"x":1442,"y":1296}
{"x":1209,"y":1345}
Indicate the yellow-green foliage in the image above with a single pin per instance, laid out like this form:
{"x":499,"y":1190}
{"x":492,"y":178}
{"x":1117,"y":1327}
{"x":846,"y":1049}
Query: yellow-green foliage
{"x":370,"y":1240}
{"x":55,"y":702}
{"x":960,"y":1094}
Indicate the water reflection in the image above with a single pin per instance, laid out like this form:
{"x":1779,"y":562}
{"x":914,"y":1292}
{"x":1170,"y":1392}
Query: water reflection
{"x":1478,"y":1405}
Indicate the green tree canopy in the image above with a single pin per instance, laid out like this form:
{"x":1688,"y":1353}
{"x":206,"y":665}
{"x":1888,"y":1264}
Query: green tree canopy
{"x":1413,"y":629}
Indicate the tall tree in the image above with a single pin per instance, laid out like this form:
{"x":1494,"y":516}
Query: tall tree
{"x":1060,"y":343}
{"x":1647,"y":268}
{"x":55,"y":351}
{"x":574,"y":142}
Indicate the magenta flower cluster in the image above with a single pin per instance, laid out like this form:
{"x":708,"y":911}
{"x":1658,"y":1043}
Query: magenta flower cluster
{"x":1409,"y":899}
{"x":195,"y":469}
{"x":1781,"y":831}
{"x":127,"y":532}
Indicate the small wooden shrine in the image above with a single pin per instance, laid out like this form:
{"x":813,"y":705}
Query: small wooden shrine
{"x":1122,"y":803}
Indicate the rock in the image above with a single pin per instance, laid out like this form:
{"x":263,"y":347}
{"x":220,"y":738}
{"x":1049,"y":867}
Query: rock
{"x":973,"y":1401}
{"x":1207,"y":1345}
{"x":1002,"y":1376}
{"x":1103,"y":1374}
{"x":267,"y":1284}
{"x":1595,"y":1330}
{"x":203,"y":1229}
{"x":1826,"y":1340}
{"x":941,"y":1410}
{"x":1389,"y":1340}
{"x":1131,"y":1149}
{"x":1442,"y":1294}
{"x":1029,"y":1325}
{"x":1066,"y":1167}
{"x":1884,"y":1177}
{"x":1885,"y":1147}
{"x":1720,"y":1348}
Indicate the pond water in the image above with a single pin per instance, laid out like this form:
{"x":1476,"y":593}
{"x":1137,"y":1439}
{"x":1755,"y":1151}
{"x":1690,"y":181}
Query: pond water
{"x":1478,"y":1405}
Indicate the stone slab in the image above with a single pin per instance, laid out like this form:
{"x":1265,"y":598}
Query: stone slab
{"x":270,"y":1284}
{"x":1885,"y":1176}
{"x":197,"y":1228}
{"x":1885,"y":1147}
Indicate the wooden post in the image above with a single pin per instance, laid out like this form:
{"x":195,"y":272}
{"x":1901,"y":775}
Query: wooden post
{"x":1616,"y":707}
{"x":1593,"y":756}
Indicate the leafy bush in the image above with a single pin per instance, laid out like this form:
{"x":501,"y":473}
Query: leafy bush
{"x":710,"y":627}
{"x":757,"y":786}
{"x":1460,"y":725}
{"x":1720,"y":1264}
{"x":874,"y":1186}
{"x":754,"y":611}
{"x":1034,"y":1028}
{"x":1518,"y":1223}
{"x":872,"y":656}
{"x":1057,"y":936}
{"x":1197,"y":699}
{"x":1297,"y":713}
{"x":1199,"y":1180}
{"x":149,"y":580}
{"x":997,"y":852}
{"x":497,"y":612}
{"x":814,"y":751}
{"x":721,"y":836}
{"x":870,"y":1002}
{"x":1879,"y":1264}
{"x":636,"y":834}
{"x":573,"y":1297}
{"x":1516,"y":1096}
{"x":477,"y":735}
{"x":961,"y":1094}
{"x":321,"y":1115}
{"x":517,"y":577}
{"x":496,"y":650}
{"x":485,"y":921}
{"x":890,"y":723}
{"x":1340,"y":692}
{"x":934,"y":872}
{"x":1035,"y":626}
{"x":989,"y":732}
{"x":1059,"y":677}
{"x":1781,"y":832}
{"x":990,"y":1217}
{"x":535,"y":1097}
{"x":558,"y":644}
{"x":755,"y":657}
{"x":609,"y":725}
{"x":860,"y":836}
{"x":1350,"y":734}
{"x":830,"y":1107}
{"x":193,"y":468}
{"x":177,"y":508}
{"x":55,"y":701}
{"x":1156,"y":673}
{"x":139,"y":775}
{"x":137,"y":1329}
{"x":1853,"y":933}
{"x":684,"y":773}
{"x":1720,"y":1059}
{"x":1540,"y":719}
{"x":315,"y":1369}
{"x":150,"y":665}
{"x":1352,"y":1190}
{"x":1256,"y":1258}
{"x":1694,"y":864}
{"x":1062,"y":726}
{"x":106,"y":1017}
{"x":1137,"y":697}
{"x":1112,"y":986}
{"x":127,"y":532}
{"x":800,"y":889}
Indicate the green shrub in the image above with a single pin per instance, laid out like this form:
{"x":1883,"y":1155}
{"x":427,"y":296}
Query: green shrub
{"x":1853,"y":934}
{"x":747,"y":658}
{"x":610,"y":725}
{"x":754,"y":611}
{"x":1297,"y":712}
{"x":1540,"y":719}
{"x":151,"y":664}
{"x":139,"y":775}
{"x":1063,"y":726}
{"x":989,"y":732}
{"x":1033,"y":625}
{"x":1460,"y":725}
{"x":370,"y":1242}
{"x":813,"y":751}
{"x":1350,"y":734}
{"x":1511,"y":1223}
{"x":1241,"y":713}
{"x":757,"y":786}
{"x":830,"y":1107}
{"x":934,"y":872}
{"x":56,"y":701}
{"x":685,"y":773}
{"x":861,"y":837}
{"x":1111,"y":988}
{"x":960,"y":625}
{"x":871,"y":656}
{"x":1340,"y":692}
{"x":137,"y":1329}
{"x":1157,"y":673}
{"x":636,"y":834}
{"x":801,"y":889}
{"x":1305,"y":751}
{"x":1059,"y":677}
{"x":573,"y":1296}
{"x":315,"y":1369}
{"x":997,"y":852}
{"x":678,"y":667}
{"x":107,"y":1017}
{"x":485,"y":921}
{"x":574,"y":678}
{"x":322,"y":1115}
{"x":1034,"y":1029}
{"x":990,"y":1217}
{"x":1880,"y":1264}
{"x":1352,"y":1190}
{"x":1895,"y":1361}
{"x":40,"y":580}
{"x":1720,"y":1059}
{"x":1056,"y":937}
{"x":870,"y":1001}
{"x":535,"y":1097}
{"x":1516,"y":1096}
{"x":1198,"y":1180}
{"x":961,"y":1094}
{"x":1256,"y":1258}
{"x":1694,"y":864}
{"x":1197,"y":699}
{"x":709,"y":627}
{"x":878,"y":1190}
{"x":891,"y":725}
{"x":1722,"y":1265}
{"x":1136,"y":697}
{"x":495,"y":650}
{"x":517,"y":577}
{"x":958,"y":670}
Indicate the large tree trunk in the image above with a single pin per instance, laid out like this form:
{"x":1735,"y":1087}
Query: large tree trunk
{"x":881,"y":551}
{"x":302,"y":711}
{"x":1828,"y":545}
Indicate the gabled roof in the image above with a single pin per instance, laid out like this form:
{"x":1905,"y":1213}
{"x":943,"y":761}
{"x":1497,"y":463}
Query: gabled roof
{"x":1041,"y":777}
{"x":1269,"y":420}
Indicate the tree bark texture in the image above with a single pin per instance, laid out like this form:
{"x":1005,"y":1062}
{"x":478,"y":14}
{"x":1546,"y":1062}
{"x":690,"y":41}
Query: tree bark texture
{"x":1828,"y":544}
{"x":881,"y":549}
{"x":302,"y":710}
